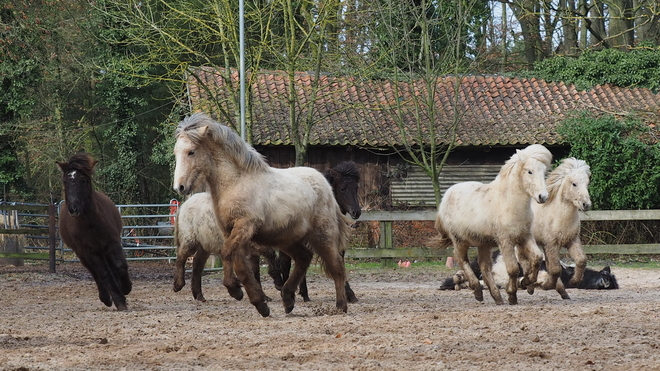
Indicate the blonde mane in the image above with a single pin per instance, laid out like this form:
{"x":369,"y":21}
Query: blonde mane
{"x":244,"y":154}
{"x":535,"y":151}
{"x":568,"y":165}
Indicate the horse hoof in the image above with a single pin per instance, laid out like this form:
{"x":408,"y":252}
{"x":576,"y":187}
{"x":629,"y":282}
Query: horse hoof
{"x":201,"y":298}
{"x":530,"y":290}
{"x":565,"y":297}
{"x":263,"y":309}
{"x":236,"y":293}
{"x":352,"y":299}
{"x":121,"y":307}
{"x":306,"y":299}
{"x":513,"y":300}
{"x":479,"y":296}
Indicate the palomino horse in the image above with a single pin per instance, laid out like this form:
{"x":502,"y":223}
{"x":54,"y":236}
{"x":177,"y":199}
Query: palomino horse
{"x":291,"y":209}
{"x":197,"y":234}
{"x":90,"y":225}
{"x":497,"y":214}
{"x":557,"y":222}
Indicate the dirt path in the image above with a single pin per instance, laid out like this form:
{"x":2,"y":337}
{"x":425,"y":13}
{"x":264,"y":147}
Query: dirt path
{"x":402,"y":322}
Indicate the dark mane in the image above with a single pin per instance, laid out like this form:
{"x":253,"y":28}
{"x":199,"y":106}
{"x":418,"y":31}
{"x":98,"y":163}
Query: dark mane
{"x":82,"y":162}
{"x":346,"y":168}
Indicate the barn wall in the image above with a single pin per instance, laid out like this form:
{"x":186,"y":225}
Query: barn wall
{"x":390,"y":182}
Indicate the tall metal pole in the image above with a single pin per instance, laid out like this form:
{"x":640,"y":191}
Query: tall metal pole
{"x":241,"y":32}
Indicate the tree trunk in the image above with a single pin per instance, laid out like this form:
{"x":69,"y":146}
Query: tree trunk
{"x":621,"y":24}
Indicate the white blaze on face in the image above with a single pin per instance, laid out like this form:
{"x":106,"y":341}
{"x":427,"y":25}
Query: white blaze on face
{"x":182,"y":149}
{"x":72,"y":175}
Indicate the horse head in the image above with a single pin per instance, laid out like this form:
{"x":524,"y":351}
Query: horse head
{"x":576,"y":184}
{"x":532,"y":163}
{"x":77,"y":180}
{"x":203,"y":147}
{"x":344,"y":179}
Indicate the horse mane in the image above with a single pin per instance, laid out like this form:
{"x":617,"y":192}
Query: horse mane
{"x":567,"y":166}
{"x":244,"y":154}
{"x":345,"y":168}
{"x":83,"y":163}
{"x":535,"y":151}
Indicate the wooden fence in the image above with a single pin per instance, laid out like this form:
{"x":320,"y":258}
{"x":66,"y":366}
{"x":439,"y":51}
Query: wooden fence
{"x":387,"y":250}
{"x":47,"y":230}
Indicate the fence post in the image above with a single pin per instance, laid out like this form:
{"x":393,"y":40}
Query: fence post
{"x":51,"y":237}
{"x":386,"y":242}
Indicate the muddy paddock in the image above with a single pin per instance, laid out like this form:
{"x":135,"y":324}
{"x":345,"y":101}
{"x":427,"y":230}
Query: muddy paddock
{"x":402,"y":322}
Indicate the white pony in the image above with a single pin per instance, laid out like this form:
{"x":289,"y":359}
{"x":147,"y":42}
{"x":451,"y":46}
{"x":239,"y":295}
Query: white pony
{"x":497,"y":214}
{"x":557,"y":222}
{"x":293,"y":210}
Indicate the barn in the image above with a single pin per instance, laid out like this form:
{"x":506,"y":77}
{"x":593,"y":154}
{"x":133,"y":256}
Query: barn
{"x":371,"y":122}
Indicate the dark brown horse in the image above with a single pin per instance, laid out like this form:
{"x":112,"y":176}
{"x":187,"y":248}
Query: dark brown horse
{"x":345,"y":180}
{"x":90,"y":225}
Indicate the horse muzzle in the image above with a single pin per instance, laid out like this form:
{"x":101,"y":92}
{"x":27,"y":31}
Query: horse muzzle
{"x":542,"y":197}
{"x":73,"y":211}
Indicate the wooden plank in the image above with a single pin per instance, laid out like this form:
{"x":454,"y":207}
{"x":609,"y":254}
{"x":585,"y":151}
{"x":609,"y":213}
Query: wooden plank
{"x":415,"y":252}
{"x":620,"y":215}
{"x":622,"y":249}
{"x":43,"y":256}
{"x":24,"y":207}
{"x":397,"y":215}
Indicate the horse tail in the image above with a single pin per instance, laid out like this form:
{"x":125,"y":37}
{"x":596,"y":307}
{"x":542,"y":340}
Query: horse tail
{"x":341,"y":239}
{"x":441,"y":240}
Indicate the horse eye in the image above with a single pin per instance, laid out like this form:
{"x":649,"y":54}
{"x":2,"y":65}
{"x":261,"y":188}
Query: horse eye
{"x":530,"y":172}
{"x":190,"y":153}
{"x":574,"y":185}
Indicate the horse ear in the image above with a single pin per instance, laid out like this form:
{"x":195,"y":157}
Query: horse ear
{"x":202,"y":130}
{"x":522,"y":156}
{"x":62,"y":165}
{"x":94,"y":163}
{"x":606,"y":270}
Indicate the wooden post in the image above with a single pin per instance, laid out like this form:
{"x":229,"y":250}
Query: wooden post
{"x":386,"y":242}
{"x":51,"y":237}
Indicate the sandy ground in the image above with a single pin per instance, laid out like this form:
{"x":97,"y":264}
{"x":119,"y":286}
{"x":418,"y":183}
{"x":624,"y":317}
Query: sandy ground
{"x":402,"y":322}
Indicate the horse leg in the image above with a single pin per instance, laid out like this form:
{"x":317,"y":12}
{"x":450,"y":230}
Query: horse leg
{"x":119,"y":268}
{"x":274,"y":269}
{"x":460,"y":254}
{"x":486,"y":265}
{"x":107,"y":280}
{"x":333,"y":261}
{"x":242,"y":265}
{"x":553,"y":266}
{"x":303,"y":289}
{"x":350,"y":295}
{"x":256,"y":269}
{"x":104,"y":295}
{"x":580,"y":259}
{"x":285,"y":266}
{"x":183,"y":252}
{"x":237,"y":249}
{"x":229,"y":279}
{"x":201,"y":256}
{"x":302,"y":258}
{"x":530,"y":259}
{"x":511,"y":263}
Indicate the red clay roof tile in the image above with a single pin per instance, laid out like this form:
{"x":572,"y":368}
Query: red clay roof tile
{"x":494,"y":110}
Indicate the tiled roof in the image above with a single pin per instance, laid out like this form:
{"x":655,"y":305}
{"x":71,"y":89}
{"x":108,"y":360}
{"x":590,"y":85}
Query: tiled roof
{"x":493,"y":110}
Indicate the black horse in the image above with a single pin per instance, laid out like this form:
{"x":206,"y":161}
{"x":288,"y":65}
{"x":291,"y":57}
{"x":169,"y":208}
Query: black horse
{"x":91,"y":226}
{"x":593,"y":279}
{"x":344,"y":179}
